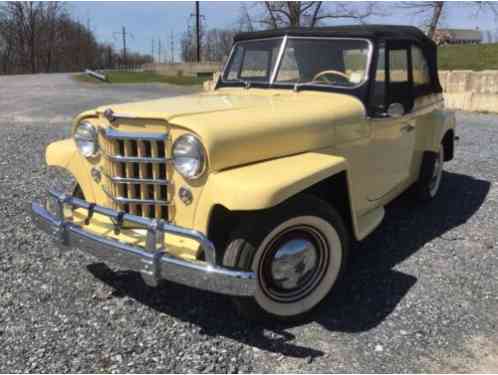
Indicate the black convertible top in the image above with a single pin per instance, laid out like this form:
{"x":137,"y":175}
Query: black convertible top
{"x":388,"y":36}
{"x":373,"y":32}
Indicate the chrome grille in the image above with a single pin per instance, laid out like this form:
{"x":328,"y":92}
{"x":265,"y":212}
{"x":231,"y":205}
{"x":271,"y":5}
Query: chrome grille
{"x":135,"y":172}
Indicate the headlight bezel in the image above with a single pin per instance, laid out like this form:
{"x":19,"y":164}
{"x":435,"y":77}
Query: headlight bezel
{"x":92,"y":130}
{"x":193,"y":139}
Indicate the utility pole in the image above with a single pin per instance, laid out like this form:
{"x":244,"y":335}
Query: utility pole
{"x":198,"y":31}
{"x":152,"y":52}
{"x":122,"y":34}
{"x":172,"y":47}
{"x":159,"y":52}
{"x":124,"y":45}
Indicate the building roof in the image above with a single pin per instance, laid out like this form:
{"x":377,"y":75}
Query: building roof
{"x":375,"y":32}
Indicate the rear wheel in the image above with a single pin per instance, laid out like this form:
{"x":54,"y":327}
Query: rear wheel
{"x":297,"y":250}
{"x":431,"y":175}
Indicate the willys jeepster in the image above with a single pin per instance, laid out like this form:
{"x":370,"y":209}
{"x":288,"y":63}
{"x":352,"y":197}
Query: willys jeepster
{"x":256,"y":188}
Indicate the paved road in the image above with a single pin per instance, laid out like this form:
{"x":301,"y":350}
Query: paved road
{"x":420,"y":294}
{"x":55,"y":98}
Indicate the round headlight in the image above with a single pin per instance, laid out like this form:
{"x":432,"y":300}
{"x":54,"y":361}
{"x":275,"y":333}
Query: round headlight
{"x":188,"y":156}
{"x":85,"y":137}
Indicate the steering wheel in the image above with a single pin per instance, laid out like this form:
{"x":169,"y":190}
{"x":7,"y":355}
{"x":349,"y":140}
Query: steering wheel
{"x":335,"y":72}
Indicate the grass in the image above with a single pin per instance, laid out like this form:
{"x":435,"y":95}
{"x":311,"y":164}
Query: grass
{"x":468,"y":57}
{"x":452,"y":57}
{"x":144,"y":77}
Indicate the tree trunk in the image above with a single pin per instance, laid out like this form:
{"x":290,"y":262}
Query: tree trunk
{"x":436,"y":15}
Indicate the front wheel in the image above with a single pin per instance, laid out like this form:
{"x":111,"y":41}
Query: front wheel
{"x":298,"y":251}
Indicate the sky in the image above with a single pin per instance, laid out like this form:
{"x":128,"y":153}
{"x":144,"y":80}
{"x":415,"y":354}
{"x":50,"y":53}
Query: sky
{"x":147,"y":20}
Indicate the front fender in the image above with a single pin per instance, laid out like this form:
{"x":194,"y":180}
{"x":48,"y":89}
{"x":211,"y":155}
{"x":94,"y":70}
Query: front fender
{"x":64,"y":154}
{"x":265,"y":184}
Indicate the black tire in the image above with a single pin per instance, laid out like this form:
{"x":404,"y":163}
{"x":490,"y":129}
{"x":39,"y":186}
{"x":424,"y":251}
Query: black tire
{"x":254,"y":246}
{"x":431,"y":175}
{"x":78,"y":192}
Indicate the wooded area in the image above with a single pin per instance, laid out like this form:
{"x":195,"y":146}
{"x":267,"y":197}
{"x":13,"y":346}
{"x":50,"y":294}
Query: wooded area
{"x":43,"y":36}
{"x":38,"y":37}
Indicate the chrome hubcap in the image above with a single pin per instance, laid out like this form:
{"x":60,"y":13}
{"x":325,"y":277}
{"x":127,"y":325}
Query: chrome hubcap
{"x":436,"y":175}
{"x":292,"y":263}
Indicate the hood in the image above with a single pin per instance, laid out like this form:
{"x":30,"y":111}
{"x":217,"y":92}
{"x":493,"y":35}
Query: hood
{"x":179,"y":106}
{"x":239,"y":126}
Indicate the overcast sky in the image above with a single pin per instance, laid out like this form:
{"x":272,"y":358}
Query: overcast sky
{"x":147,"y":20}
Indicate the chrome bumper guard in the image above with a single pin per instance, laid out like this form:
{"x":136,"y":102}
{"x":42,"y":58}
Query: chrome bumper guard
{"x":152,"y":262}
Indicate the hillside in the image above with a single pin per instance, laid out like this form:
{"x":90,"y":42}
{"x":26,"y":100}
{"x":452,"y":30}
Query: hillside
{"x":468,"y":57}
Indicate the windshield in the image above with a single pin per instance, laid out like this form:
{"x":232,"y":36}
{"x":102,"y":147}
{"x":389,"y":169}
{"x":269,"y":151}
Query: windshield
{"x":321,"y":61}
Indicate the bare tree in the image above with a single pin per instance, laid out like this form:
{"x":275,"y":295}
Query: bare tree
{"x":41,"y":36}
{"x":218,"y":44}
{"x":278,"y":14}
{"x":432,"y":12}
{"x":245,"y":22}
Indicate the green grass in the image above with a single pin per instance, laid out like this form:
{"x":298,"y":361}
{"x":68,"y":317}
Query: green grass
{"x":468,"y":57}
{"x":144,"y":77}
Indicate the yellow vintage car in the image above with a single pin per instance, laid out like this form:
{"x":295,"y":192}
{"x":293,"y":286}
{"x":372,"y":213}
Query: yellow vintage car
{"x":257,"y":188}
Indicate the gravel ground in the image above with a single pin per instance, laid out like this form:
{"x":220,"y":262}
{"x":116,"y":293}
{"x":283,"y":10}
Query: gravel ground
{"x":420,"y":293}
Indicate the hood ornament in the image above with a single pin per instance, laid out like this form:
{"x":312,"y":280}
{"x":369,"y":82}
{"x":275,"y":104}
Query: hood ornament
{"x":109,"y":115}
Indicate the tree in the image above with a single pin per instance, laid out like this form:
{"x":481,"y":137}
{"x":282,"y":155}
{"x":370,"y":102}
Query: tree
{"x":41,"y":36}
{"x":218,"y":44}
{"x":279,"y":14}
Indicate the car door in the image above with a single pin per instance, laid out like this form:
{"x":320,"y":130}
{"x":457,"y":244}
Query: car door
{"x":392,"y":122}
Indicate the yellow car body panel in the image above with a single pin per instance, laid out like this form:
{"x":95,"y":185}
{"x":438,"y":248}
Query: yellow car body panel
{"x":266,"y":145}
{"x":266,"y":184}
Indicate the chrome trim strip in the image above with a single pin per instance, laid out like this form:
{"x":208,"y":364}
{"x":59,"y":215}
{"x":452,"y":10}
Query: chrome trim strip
{"x":283,"y":46}
{"x":125,"y":200}
{"x":153,"y":263}
{"x":111,"y":133}
{"x":129,"y":180}
{"x":135,"y":159}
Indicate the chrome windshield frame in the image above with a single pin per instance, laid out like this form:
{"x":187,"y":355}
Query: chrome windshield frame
{"x":271,"y":83}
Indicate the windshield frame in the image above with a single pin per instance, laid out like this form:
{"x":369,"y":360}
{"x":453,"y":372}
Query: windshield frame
{"x":278,"y":62}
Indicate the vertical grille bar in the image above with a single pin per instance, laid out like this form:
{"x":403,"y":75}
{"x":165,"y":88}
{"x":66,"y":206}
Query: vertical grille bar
{"x":130,"y":173}
{"x":117,"y":170}
{"x":155,"y":176}
{"x":142,"y":170}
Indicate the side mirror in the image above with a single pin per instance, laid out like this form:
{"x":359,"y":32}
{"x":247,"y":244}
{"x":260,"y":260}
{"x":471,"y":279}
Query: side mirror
{"x":395,"y":110}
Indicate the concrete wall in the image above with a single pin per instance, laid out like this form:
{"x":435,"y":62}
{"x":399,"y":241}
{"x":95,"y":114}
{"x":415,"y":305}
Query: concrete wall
{"x":467,"y":90}
{"x":464,"y":90}
{"x":186,"y":69}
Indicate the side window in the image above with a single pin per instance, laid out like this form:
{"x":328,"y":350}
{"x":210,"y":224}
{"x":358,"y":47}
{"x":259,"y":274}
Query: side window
{"x":421,"y":74}
{"x":400,"y":88}
{"x":398,"y":65}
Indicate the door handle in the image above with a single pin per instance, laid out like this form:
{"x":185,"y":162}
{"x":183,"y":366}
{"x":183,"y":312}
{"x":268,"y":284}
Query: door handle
{"x":408,"y":128}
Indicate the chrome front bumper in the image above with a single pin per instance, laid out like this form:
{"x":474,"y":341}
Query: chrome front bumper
{"x":153,"y":261}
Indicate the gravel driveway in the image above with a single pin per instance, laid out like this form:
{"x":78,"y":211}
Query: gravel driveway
{"x":420,"y":294}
